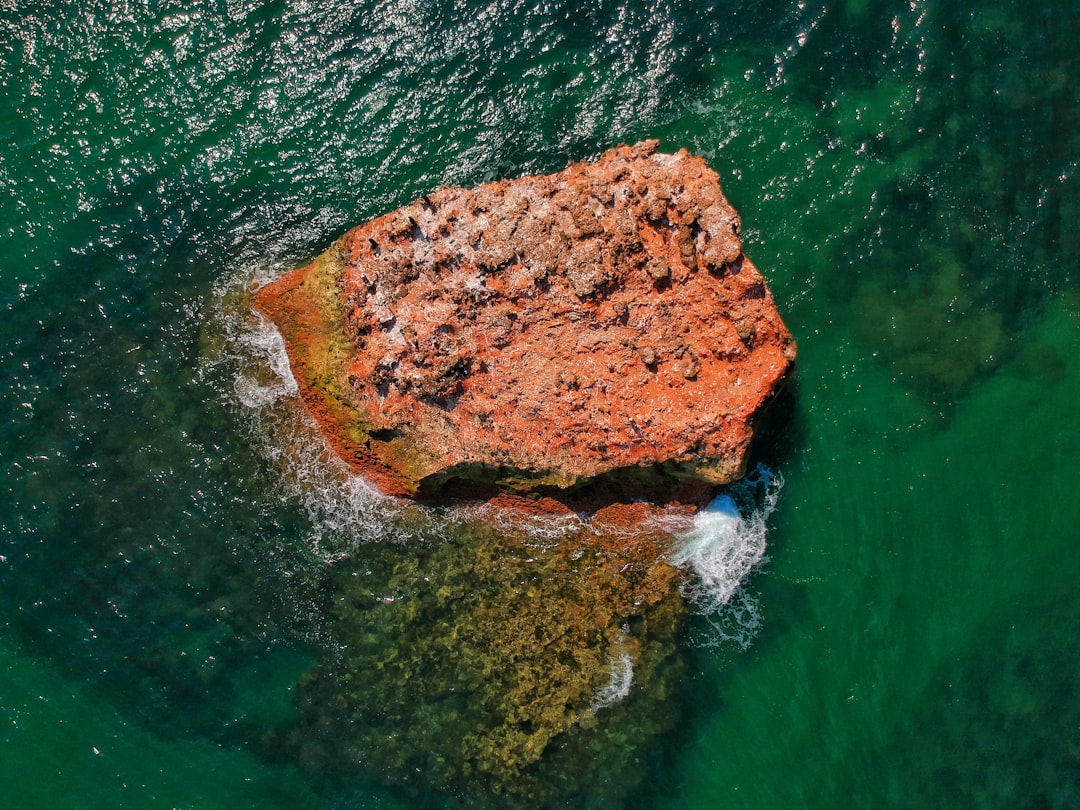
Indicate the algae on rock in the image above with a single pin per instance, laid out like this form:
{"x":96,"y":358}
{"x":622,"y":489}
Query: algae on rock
{"x":491,"y":665}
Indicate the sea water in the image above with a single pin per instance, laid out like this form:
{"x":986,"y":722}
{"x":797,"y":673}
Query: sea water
{"x":899,"y":628}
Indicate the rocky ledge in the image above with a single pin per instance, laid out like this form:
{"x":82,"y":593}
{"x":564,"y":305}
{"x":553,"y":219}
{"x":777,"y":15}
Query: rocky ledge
{"x":540,"y":332}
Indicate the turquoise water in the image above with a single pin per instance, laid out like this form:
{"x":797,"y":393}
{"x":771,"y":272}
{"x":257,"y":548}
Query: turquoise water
{"x":906,"y":173}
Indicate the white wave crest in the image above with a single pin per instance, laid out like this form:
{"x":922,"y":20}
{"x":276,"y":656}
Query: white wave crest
{"x":264,"y":341}
{"x":543,"y":530}
{"x":727,"y":540}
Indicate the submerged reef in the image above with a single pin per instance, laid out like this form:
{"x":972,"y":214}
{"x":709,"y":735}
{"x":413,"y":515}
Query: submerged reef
{"x":540,"y":331}
{"x":495,"y":666}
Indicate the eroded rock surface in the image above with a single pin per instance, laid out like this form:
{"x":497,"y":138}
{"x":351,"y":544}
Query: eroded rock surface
{"x":540,"y":331}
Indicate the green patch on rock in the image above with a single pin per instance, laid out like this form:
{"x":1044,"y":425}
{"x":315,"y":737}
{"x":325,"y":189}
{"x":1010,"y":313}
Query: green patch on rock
{"x":324,"y":365}
{"x":313,"y":325}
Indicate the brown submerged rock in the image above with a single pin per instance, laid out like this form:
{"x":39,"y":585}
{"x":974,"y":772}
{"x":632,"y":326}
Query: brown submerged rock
{"x":540,"y":332}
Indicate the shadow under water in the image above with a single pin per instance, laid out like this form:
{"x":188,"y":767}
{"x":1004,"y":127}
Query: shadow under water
{"x":952,"y":259}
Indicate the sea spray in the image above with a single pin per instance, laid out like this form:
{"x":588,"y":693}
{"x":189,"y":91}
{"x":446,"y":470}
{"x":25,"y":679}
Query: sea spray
{"x":343,"y":510}
{"x":265,"y":340}
{"x":725,"y":544}
{"x":541,"y":530}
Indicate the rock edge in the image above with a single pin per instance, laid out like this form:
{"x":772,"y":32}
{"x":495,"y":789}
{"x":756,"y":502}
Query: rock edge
{"x":540,"y":332}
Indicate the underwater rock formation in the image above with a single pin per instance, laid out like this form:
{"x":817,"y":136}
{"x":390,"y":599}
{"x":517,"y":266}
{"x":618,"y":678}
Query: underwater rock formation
{"x":540,"y":332}
{"x":497,"y":669}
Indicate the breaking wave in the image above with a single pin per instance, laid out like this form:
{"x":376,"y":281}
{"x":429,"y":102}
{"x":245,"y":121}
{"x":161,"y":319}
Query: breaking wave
{"x":543,"y":530}
{"x":726,"y":543}
{"x":265,"y":340}
{"x":343,"y":510}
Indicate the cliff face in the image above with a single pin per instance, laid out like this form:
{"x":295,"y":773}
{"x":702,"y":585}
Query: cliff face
{"x":540,"y":331}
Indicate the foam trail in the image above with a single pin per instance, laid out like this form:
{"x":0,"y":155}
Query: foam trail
{"x":544,"y":531}
{"x":622,"y":678}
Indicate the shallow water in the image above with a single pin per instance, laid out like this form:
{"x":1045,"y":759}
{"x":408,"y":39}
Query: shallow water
{"x":169,"y":543}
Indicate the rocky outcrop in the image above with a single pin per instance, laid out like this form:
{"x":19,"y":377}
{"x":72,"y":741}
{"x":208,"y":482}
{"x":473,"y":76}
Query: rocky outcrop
{"x":540,"y":331}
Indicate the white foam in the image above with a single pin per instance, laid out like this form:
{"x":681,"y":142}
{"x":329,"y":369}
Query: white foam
{"x":727,"y":540}
{"x":616,"y":689}
{"x":737,"y":623}
{"x":265,"y":341}
{"x":544,"y":530}
{"x":343,"y":510}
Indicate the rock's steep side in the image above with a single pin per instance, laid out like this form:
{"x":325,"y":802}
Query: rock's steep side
{"x":540,"y":331}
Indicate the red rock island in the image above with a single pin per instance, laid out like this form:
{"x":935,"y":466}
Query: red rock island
{"x":540,"y":332}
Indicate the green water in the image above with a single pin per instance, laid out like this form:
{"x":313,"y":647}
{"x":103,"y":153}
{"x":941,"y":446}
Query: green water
{"x":906,"y":173}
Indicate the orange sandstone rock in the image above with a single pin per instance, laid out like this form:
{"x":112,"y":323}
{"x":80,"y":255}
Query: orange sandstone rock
{"x":540,"y":332}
